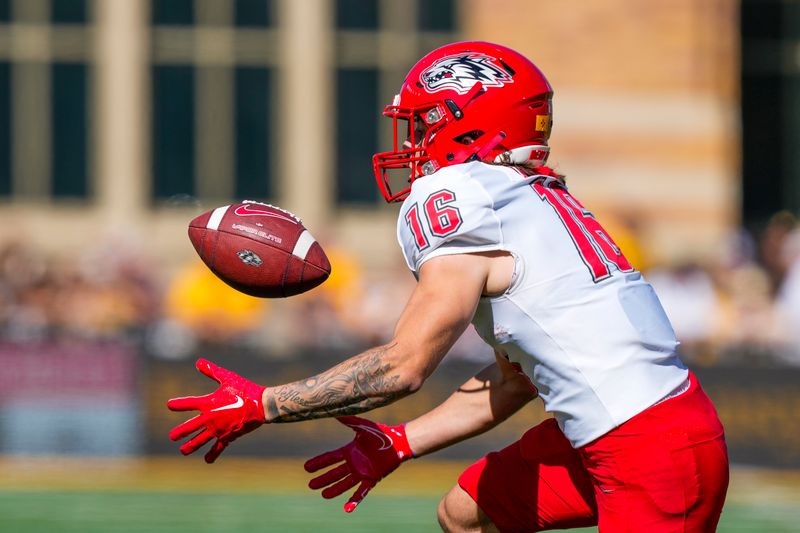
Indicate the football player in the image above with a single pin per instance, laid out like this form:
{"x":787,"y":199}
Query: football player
{"x":496,"y":239}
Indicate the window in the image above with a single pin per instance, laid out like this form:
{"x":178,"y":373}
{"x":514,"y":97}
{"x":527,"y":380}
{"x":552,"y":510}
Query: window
{"x":356,"y":134}
{"x":203,"y":101}
{"x":173,"y":12}
{"x":365,"y":82}
{"x":761,"y":19}
{"x":252,"y":119}
{"x":436,"y":15}
{"x":44,"y":107}
{"x":770,"y":96}
{"x":69,"y":129}
{"x":357,"y":14}
{"x":256,"y":13}
{"x":173,"y":131}
{"x":5,"y":128}
{"x":69,"y":11}
{"x":5,"y":10}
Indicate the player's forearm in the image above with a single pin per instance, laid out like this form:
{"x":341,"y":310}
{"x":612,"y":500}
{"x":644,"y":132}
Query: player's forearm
{"x":477,"y":406}
{"x":366,"y":381}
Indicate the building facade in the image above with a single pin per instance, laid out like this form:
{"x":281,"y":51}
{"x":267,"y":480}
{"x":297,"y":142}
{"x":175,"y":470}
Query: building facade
{"x":122,"y":117}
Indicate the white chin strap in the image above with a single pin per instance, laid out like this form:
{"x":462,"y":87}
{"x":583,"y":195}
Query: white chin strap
{"x":536,"y":154}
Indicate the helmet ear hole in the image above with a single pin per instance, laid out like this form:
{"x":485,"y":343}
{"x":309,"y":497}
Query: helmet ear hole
{"x":469,"y":137}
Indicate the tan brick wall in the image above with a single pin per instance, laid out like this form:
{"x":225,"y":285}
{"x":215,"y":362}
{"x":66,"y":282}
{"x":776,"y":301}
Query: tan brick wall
{"x":636,"y":45}
{"x":646,"y":107}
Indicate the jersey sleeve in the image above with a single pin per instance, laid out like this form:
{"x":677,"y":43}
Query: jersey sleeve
{"x":447,"y":213}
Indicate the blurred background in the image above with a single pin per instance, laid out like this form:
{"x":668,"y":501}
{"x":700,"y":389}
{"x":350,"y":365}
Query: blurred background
{"x":676,"y":121}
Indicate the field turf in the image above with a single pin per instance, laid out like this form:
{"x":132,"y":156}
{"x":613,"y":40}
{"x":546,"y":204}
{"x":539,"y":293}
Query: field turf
{"x":185,"y":495}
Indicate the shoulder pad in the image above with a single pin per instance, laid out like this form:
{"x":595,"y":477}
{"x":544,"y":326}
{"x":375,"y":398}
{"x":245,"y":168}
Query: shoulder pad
{"x":448,"y":212}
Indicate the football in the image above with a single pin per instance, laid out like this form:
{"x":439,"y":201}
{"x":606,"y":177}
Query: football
{"x":259,"y":249}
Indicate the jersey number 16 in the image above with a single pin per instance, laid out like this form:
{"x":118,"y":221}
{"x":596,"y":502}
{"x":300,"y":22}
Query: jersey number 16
{"x":594,"y":244}
{"x":441,"y":217}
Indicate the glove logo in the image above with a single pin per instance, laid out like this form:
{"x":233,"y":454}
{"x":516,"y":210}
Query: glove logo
{"x":386,"y":440}
{"x":235,"y":405}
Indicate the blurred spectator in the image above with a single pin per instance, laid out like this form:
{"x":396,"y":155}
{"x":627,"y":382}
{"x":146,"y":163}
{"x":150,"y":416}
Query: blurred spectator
{"x":690,"y":300}
{"x":26,"y":291}
{"x":788,"y":297}
{"x":751,"y":325}
{"x":772,"y":245}
{"x":373,"y":316}
{"x":201,"y":302}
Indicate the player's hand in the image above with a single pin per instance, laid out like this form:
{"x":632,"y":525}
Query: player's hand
{"x":375,"y":452}
{"x":234,"y":409}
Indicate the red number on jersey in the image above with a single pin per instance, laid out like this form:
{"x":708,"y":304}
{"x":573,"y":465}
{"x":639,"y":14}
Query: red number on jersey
{"x":442,"y":218}
{"x":414,"y":224}
{"x":595,"y":246}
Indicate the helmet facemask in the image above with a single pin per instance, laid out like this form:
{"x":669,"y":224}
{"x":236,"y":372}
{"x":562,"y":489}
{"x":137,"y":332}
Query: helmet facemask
{"x":398,"y":168}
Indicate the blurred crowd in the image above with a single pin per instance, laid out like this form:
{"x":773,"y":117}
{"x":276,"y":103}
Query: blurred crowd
{"x":114,"y":291}
{"x":99,"y":293}
{"x":739,"y":305}
{"x":742,"y":303}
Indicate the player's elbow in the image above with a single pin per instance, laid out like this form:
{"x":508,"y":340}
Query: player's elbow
{"x":410,"y":375}
{"x":412,"y":365}
{"x":410,"y":380}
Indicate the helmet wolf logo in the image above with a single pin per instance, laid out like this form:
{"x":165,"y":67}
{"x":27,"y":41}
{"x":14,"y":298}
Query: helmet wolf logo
{"x":461,"y":71}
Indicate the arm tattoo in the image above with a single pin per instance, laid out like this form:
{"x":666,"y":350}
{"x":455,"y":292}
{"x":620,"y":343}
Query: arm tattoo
{"x":359,"y":384}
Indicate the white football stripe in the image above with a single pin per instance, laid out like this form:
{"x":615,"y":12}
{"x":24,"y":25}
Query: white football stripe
{"x":216,"y":217}
{"x":303,"y":244}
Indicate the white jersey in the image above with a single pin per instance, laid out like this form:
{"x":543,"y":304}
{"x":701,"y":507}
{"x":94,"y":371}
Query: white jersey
{"x":578,"y":320}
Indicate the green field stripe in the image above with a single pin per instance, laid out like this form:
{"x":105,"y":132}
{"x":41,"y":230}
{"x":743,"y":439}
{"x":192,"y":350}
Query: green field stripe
{"x":170,"y":512}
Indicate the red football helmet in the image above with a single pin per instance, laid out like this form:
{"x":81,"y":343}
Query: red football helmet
{"x":464,"y":102}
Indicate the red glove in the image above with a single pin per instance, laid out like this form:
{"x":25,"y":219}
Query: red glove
{"x":234,"y":409}
{"x":372,"y":455}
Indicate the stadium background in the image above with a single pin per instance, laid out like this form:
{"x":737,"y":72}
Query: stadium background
{"x":676,"y":121}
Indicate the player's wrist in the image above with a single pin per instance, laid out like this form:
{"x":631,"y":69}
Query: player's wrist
{"x":400,"y":443}
{"x":258,"y":399}
{"x":266,"y":402}
{"x":253,"y":396}
{"x":420,"y":439}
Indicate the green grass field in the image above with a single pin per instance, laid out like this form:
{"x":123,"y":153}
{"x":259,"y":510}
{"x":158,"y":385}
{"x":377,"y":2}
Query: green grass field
{"x":118,"y":512}
{"x":180,"y":495}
